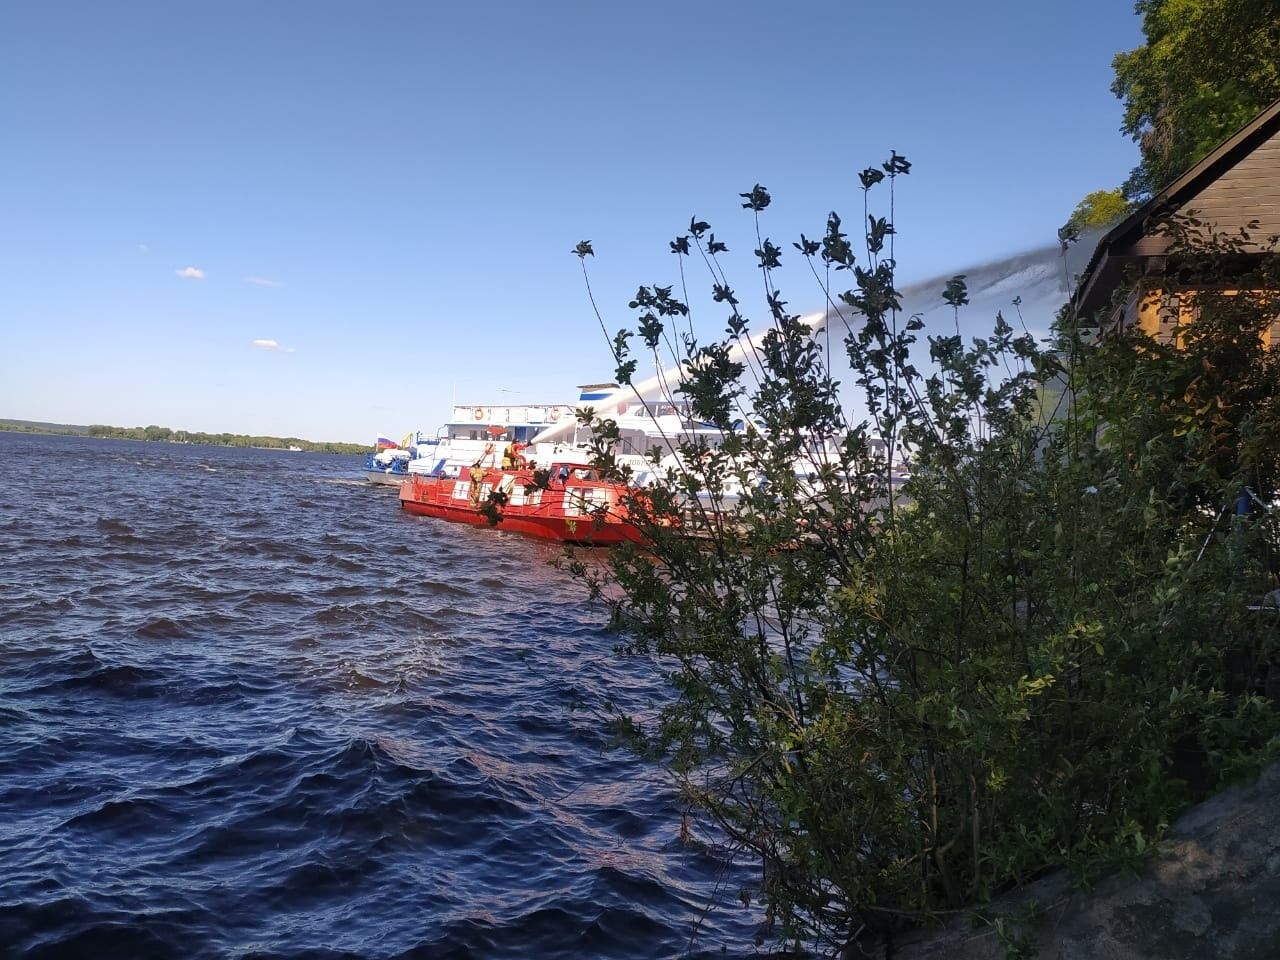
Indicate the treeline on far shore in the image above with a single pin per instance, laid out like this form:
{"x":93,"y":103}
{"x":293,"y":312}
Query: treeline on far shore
{"x":166,"y":434}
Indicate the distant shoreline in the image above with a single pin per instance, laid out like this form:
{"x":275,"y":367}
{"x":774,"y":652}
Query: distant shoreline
{"x":154,"y":434}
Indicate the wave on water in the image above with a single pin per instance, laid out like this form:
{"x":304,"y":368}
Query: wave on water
{"x":249,"y":708}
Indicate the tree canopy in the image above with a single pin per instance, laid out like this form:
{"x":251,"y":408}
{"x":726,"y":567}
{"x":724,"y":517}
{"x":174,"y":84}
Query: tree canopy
{"x":155,"y":432}
{"x":1206,"y":69}
{"x":1099,"y":209}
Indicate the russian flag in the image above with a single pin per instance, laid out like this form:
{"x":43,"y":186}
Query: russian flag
{"x":382,"y":443}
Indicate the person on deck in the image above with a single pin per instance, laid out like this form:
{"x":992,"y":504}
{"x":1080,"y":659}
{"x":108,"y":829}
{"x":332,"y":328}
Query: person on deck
{"x":513,"y":458}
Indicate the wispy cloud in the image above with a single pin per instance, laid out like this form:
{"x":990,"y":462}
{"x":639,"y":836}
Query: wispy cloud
{"x":190,"y":273}
{"x":143,"y":248}
{"x":273,"y":346}
{"x":263,"y":282}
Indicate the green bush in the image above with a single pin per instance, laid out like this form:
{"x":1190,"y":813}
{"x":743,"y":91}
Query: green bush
{"x":1031,"y":655}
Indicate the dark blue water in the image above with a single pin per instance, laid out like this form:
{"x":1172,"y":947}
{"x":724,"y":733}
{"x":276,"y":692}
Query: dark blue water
{"x":249,"y":708}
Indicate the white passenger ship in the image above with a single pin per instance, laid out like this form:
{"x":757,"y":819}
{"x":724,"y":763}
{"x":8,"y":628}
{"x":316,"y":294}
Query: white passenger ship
{"x":485,"y":433}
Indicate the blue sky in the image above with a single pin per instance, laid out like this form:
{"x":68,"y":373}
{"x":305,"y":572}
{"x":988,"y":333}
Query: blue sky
{"x":385,"y":195}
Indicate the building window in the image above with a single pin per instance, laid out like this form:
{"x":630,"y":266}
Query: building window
{"x":1167,"y":316}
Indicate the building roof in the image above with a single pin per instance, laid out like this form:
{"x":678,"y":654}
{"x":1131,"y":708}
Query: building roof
{"x":1105,"y":267}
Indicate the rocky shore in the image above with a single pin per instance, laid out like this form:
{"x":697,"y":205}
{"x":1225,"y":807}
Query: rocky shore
{"x":1212,"y":889}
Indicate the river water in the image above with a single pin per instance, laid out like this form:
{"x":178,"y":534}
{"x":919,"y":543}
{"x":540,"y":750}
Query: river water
{"x":249,"y":708}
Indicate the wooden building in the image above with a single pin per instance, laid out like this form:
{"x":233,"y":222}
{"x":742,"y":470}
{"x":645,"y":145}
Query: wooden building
{"x":1131,"y":280}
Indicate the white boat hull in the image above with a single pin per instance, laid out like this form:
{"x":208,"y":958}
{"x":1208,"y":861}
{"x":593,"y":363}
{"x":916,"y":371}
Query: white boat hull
{"x":385,"y":479}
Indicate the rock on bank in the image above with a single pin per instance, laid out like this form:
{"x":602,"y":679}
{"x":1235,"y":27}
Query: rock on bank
{"x":1211,"y":890}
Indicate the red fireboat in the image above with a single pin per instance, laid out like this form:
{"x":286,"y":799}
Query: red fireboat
{"x":577,"y":506}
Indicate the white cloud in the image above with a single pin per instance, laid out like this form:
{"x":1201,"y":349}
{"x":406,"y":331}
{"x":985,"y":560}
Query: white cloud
{"x":266,"y":344}
{"x":190,"y":273}
{"x":143,"y":248}
{"x":263,"y":282}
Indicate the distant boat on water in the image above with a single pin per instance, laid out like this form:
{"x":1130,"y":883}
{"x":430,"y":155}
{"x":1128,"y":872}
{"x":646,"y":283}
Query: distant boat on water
{"x":388,"y":467}
{"x":388,"y":464}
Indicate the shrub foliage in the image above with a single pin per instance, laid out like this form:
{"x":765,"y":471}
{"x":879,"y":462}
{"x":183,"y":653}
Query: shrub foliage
{"x":906,"y":698}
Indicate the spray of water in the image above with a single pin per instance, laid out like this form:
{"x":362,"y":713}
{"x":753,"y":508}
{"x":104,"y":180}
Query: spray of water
{"x":1027,"y":287}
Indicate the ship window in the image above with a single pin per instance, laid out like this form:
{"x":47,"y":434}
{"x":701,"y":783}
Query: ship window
{"x":534,"y":498}
{"x":461,"y":489}
{"x":573,"y":501}
{"x":580,"y":500}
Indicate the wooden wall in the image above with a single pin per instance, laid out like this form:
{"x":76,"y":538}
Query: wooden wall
{"x":1250,"y":190}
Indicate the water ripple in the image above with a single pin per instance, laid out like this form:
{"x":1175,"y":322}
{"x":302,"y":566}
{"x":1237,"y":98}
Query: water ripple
{"x":250,"y":709}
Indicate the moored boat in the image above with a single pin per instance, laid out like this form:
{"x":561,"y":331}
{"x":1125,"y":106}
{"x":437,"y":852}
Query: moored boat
{"x":483,"y":433}
{"x":575,"y":507}
{"x":388,"y":464}
{"x":550,"y":432}
{"x":388,"y":467}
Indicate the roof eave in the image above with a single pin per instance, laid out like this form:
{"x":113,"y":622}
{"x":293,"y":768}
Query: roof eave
{"x":1208,"y":168}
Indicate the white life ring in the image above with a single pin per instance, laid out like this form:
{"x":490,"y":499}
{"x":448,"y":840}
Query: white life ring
{"x":479,"y":413}
{"x":555,"y":413}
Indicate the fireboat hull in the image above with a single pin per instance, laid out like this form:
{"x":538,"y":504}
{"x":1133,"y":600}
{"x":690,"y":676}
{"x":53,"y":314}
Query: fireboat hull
{"x":584,"y":512}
